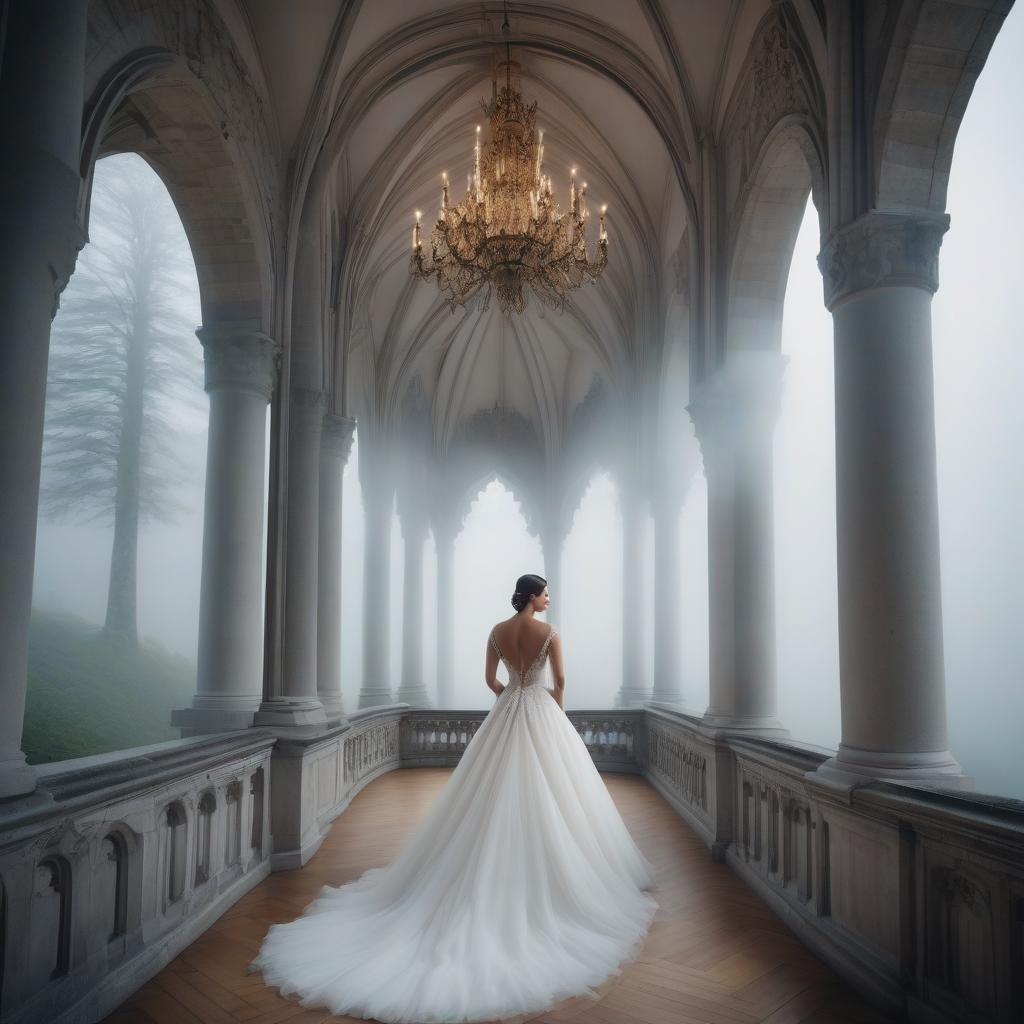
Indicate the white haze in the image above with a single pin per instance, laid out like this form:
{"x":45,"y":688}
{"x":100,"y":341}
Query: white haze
{"x":979,"y":369}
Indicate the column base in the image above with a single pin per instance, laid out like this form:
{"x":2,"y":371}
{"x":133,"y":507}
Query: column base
{"x":746,"y":725}
{"x":334,"y":710}
{"x":854,"y":766}
{"x":212,"y":713}
{"x":282,"y":712}
{"x":667,"y":695}
{"x":414,"y":696}
{"x":631,"y":697}
{"x":16,"y":777}
{"x":374,"y":697}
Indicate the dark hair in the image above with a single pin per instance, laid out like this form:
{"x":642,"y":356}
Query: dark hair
{"x":526,"y":587}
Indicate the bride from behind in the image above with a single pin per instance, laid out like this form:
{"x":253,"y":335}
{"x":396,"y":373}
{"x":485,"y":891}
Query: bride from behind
{"x":520,"y":887}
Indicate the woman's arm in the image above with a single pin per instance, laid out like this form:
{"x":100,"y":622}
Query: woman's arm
{"x":491,"y":669}
{"x":555,"y":658}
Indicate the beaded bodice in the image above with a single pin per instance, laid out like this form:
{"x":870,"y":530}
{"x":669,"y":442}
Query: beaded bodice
{"x":533,"y":670}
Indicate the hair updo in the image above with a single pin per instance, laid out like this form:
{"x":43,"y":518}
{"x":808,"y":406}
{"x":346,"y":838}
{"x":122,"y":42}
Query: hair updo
{"x":526,"y":587}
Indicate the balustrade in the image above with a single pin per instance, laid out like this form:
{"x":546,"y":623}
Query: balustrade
{"x":916,"y":896}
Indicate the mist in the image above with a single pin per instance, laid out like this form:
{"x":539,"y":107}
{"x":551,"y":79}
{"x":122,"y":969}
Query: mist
{"x":978,"y":367}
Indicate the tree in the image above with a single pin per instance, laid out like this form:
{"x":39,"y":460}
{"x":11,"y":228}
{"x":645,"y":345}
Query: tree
{"x":122,"y":354}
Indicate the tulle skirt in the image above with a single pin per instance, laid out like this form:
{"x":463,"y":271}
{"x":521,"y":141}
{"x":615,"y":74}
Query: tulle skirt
{"x":520,"y":887}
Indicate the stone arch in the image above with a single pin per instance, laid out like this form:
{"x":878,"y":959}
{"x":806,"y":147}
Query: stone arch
{"x":205,"y":812}
{"x":110,"y":893}
{"x":175,"y":859}
{"x":788,"y":168}
{"x":233,"y":823}
{"x":256,"y":802}
{"x":50,"y":917}
{"x":933,"y":61}
{"x":171,"y":86}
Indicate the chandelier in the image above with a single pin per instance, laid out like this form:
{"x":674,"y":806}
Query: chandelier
{"x":508,"y":232}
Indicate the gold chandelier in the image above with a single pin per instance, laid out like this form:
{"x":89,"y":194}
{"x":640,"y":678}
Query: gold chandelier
{"x":508,"y":232}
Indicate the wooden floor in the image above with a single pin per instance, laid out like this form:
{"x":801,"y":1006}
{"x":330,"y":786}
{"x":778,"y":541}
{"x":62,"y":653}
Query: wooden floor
{"x":715,"y":952}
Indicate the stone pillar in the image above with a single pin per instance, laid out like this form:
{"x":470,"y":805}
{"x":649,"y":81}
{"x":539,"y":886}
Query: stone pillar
{"x":412,"y":689}
{"x":552,"y":542}
{"x":634,"y":689}
{"x":335,"y":447}
{"x":299,"y":704}
{"x":734,"y":413}
{"x":41,"y":75}
{"x":880,"y":273}
{"x":378,"y":498}
{"x":229,"y":678}
{"x":668,"y":617}
{"x":444,"y":538}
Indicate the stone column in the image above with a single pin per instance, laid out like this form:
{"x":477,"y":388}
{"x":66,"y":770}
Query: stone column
{"x":378,"y":498}
{"x":734,"y":413}
{"x":668,"y":618}
{"x":412,"y":689}
{"x":299,"y":704}
{"x":40,"y":124}
{"x":444,"y":538}
{"x":552,"y":542}
{"x":335,"y":447}
{"x":634,"y":689}
{"x":240,"y":376}
{"x":880,"y":273}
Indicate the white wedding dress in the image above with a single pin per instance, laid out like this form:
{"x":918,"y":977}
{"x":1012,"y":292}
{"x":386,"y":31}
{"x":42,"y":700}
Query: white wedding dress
{"x":521,"y":886}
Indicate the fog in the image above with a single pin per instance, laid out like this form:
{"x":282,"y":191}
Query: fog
{"x":979,"y":367}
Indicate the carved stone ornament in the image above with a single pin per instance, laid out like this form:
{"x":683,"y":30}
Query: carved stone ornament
{"x":238,"y":358}
{"x":336,"y":437}
{"x":883,"y":250}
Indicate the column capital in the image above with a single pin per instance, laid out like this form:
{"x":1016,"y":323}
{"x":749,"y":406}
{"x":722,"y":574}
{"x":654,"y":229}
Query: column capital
{"x":238,"y":357}
{"x":883,"y":249}
{"x":739,"y":403}
{"x":336,"y":436}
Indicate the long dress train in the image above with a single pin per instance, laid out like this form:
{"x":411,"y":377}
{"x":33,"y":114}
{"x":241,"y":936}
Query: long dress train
{"x":520,"y":887}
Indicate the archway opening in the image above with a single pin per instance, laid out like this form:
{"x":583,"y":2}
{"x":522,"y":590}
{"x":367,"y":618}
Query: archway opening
{"x":118,"y":561}
{"x":492,"y":551}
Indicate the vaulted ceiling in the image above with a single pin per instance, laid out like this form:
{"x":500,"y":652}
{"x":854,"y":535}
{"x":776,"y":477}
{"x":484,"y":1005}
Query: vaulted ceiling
{"x":386,"y":95}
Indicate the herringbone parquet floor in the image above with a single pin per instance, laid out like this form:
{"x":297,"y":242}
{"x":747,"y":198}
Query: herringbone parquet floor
{"x":715,"y":953}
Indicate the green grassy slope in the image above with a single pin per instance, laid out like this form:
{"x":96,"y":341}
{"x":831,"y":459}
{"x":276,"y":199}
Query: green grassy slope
{"x":88,"y":697}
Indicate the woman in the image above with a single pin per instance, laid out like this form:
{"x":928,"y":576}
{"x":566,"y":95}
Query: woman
{"x":520,"y":887}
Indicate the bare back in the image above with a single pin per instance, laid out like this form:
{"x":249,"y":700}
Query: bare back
{"x":521,"y":639}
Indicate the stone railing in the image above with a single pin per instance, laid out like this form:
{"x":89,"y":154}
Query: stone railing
{"x":118,"y":862}
{"x":915,"y":896}
{"x":615,"y":739}
{"x":316,"y":774}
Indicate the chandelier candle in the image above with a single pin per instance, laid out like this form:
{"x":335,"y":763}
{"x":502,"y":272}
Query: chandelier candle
{"x":508,"y":233}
